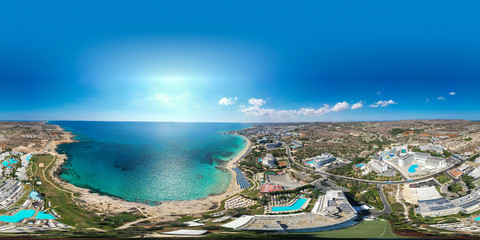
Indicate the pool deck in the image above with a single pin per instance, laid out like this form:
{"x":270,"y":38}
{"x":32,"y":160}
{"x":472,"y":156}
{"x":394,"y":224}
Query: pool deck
{"x":292,"y":203}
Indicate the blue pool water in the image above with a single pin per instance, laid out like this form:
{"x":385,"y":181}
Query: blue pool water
{"x":44,"y":215}
{"x":259,"y":159}
{"x":359,"y":165}
{"x":28,"y":157}
{"x":19,"y":216}
{"x":310,"y":162}
{"x":10,"y":161}
{"x":296,"y":206}
{"x":477,"y":218}
{"x":412,"y":168}
{"x":150,"y":161}
{"x":35,"y":195}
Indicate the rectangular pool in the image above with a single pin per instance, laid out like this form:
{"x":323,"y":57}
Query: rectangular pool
{"x":44,"y":215}
{"x":295,"y":206}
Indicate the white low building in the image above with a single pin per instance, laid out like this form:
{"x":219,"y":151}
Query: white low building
{"x":377,"y":166}
{"x":421,"y":157}
{"x":475,"y":173}
{"x":432,"y":147}
{"x":435,"y":162}
{"x":319,"y":161}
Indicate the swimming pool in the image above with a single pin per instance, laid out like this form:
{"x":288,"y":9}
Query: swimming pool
{"x":44,"y":215}
{"x":477,"y":219}
{"x":259,"y":159}
{"x":359,"y":165}
{"x":28,"y":158}
{"x":35,"y":195}
{"x":10,"y":161}
{"x":19,"y":216}
{"x":310,"y":162}
{"x":412,"y":168}
{"x":296,"y":206}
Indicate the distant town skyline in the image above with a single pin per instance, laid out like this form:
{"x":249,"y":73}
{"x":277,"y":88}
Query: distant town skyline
{"x":239,"y":62}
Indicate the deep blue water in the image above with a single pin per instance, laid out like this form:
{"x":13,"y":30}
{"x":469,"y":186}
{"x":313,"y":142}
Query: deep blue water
{"x":150,"y":161}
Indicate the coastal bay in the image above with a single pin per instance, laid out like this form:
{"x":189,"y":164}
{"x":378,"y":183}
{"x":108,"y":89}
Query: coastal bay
{"x":98,"y":200}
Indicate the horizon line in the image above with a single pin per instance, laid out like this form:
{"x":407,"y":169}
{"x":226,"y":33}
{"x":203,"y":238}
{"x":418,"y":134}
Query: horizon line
{"x":260,"y":122}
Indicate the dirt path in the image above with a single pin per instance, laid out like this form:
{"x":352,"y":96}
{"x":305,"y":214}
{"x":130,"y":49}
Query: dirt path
{"x":46,"y":179}
{"x":127,"y":225}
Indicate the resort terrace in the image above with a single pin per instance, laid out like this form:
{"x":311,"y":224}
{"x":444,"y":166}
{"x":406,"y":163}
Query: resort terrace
{"x":339,"y":213}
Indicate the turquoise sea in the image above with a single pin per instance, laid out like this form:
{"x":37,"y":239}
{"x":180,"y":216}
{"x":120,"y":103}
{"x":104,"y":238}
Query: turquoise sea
{"x":150,"y":161}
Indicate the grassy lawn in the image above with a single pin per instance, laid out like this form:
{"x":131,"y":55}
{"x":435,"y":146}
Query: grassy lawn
{"x":365,"y":229}
{"x":61,"y":200}
{"x":442,"y":178}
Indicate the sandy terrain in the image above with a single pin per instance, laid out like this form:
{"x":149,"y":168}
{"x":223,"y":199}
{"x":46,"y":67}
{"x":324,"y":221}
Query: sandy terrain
{"x":409,"y":194}
{"x":166,"y":211}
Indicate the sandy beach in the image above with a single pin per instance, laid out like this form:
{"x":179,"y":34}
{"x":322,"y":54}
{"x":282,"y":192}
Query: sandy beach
{"x":168,"y":210}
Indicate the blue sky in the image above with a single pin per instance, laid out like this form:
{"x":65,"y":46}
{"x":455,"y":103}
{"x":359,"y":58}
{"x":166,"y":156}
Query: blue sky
{"x":248,"y":61}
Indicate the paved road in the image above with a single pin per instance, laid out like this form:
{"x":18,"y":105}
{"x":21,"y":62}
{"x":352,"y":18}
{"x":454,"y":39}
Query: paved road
{"x":386,"y":206}
{"x":362,"y":180}
{"x":50,"y":141}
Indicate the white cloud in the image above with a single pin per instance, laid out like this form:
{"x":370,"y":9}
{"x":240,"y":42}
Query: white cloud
{"x":254,"y":108}
{"x":452,"y":93}
{"x":314,"y":112}
{"x":379,"y":92}
{"x":428,"y":100}
{"x":382,"y":103}
{"x":341,"y":106}
{"x":227,"y":101}
{"x":441,"y":98}
{"x":256,"y":102}
{"x":357,"y":105}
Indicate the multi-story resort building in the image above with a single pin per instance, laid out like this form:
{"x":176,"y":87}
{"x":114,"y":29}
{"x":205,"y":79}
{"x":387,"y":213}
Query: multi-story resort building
{"x":435,"y":162}
{"x":273,"y":145}
{"x":263,"y":140}
{"x":377,"y":166}
{"x":406,"y":160}
{"x":421,"y":157}
{"x":432,"y":147}
{"x":331,"y":211}
{"x":332,"y":202}
{"x":10,"y":192}
{"x":269,"y":161}
{"x":424,"y":160}
{"x":319,"y":161}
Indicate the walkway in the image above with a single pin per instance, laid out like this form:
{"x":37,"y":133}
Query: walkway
{"x":127,"y":225}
